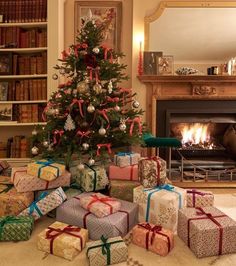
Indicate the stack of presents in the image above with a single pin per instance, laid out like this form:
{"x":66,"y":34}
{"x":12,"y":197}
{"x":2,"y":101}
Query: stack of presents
{"x":139,"y":200}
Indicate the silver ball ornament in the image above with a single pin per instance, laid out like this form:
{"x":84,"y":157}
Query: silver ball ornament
{"x":35,"y":150}
{"x":56,"y":111}
{"x":117,"y":108}
{"x":90,"y":108}
{"x":91,"y":161}
{"x":45,"y":144}
{"x":85,"y":146}
{"x":96,"y":50}
{"x":62,"y":71}
{"x":34,"y":132}
{"x":135,"y":104}
{"x":55,"y":76}
{"x":102,"y":131}
{"x":122,"y":126}
{"x":80,"y":166}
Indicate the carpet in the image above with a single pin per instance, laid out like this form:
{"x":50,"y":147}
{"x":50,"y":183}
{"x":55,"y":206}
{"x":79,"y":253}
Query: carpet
{"x":27,"y":254}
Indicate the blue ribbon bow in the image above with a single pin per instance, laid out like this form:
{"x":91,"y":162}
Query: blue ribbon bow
{"x":45,"y":164}
{"x":33,"y":206}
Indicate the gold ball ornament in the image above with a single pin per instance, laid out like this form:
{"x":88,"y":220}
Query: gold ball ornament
{"x":96,"y":50}
{"x":90,"y":108}
{"x":122,"y":126}
{"x":135,"y":104}
{"x":45,"y":144}
{"x":91,"y":161}
{"x":85,"y":146}
{"x":97,"y":88}
{"x":82,"y":87}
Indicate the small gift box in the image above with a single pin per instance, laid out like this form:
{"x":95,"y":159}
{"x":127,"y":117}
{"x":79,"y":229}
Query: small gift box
{"x":207,"y":231}
{"x":123,"y":159}
{"x":153,"y":237}
{"x":45,"y":203}
{"x":197,"y":198}
{"x":47,"y":170}
{"x":13,"y":202}
{"x":123,"y":189}
{"x":123,"y":173}
{"x":62,"y":240}
{"x":92,"y":178}
{"x":25,"y":182}
{"x":100,"y":205}
{"x":14,"y":228}
{"x":3,"y":165}
{"x":116,"y":224}
{"x":160,"y":205}
{"x":152,"y":171}
{"x":107,"y":251}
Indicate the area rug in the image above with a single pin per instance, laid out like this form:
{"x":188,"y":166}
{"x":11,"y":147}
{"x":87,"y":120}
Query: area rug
{"x":27,"y":254}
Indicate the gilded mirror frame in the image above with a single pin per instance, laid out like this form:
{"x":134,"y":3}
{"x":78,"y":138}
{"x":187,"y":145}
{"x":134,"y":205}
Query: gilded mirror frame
{"x":179,"y":4}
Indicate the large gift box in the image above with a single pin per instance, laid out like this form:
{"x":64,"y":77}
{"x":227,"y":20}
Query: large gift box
{"x":160,"y":205}
{"x":107,"y":251}
{"x":45,"y":203}
{"x":123,"y":159}
{"x":100,"y":205}
{"x":123,"y":173}
{"x":92,"y":178}
{"x":199,"y":198}
{"x":123,"y":189}
{"x":14,"y":228}
{"x":62,"y":240}
{"x":116,"y":224}
{"x":25,"y":182}
{"x":13,"y":202}
{"x":207,"y":231}
{"x":153,"y":237}
{"x":152,"y":171}
{"x":46,"y":170}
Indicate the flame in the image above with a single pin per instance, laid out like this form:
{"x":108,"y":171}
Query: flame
{"x":195,"y":134}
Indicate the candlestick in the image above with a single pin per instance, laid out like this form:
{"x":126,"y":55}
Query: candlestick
{"x":140,"y":60}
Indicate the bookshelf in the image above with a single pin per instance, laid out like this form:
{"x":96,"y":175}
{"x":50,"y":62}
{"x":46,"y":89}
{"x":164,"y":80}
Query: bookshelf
{"x":53,"y":28}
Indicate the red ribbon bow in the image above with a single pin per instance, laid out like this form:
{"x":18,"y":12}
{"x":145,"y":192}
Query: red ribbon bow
{"x":113,"y":100}
{"x":133,"y":121}
{"x":103,"y":200}
{"x":52,"y":233}
{"x":104,"y":113}
{"x":83,"y":134}
{"x":99,"y":146}
{"x":79,"y":103}
{"x":55,"y":133}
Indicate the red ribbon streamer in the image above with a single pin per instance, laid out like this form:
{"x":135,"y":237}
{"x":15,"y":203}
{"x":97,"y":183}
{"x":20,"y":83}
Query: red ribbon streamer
{"x":107,"y":145}
{"x":133,"y":121}
{"x":104,"y":113}
{"x":53,"y":233}
{"x":196,"y":192}
{"x":212,"y":218}
{"x":131,"y":172}
{"x":154,"y":230}
{"x":103,"y":200}
{"x":55,"y":133}
{"x":79,"y":103}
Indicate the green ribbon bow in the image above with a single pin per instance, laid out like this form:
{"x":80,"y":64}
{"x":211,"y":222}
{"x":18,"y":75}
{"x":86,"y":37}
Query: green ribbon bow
{"x":10,"y":220}
{"x":33,"y":206}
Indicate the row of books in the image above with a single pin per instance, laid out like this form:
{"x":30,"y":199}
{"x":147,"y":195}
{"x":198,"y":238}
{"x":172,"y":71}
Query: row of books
{"x":16,"y":147}
{"x":16,"y":37}
{"x":23,"y":10}
{"x":29,"y":64}
{"x":23,"y":90}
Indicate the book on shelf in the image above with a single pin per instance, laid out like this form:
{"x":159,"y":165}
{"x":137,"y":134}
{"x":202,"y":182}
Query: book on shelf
{"x":3,"y":90}
{"x":5,"y":112}
{"x":16,"y":147}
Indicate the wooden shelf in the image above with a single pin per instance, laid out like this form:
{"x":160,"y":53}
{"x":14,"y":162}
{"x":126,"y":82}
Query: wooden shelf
{"x":7,"y":124}
{"x":24,"y":24}
{"x":19,"y":102}
{"x":23,"y":76}
{"x":24,"y":50}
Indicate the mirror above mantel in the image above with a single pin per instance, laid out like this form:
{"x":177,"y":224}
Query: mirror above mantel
{"x":196,"y":34}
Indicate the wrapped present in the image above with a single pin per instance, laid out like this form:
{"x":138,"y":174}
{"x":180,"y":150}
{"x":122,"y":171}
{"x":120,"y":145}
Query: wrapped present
{"x":123,"y":173}
{"x":5,"y":179}
{"x":152,"y":171}
{"x":62,"y":240}
{"x":15,"y":228}
{"x":207,"y":231}
{"x":92,"y":178}
{"x":13,"y":202}
{"x":45,"y":169}
{"x":197,"y":198}
{"x":123,"y":189}
{"x":123,"y":159}
{"x":45,"y":203}
{"x":3,"y":165}
{"x":25,"y":182}
{"x":107,"y":251}
{"x":116,"y":224}
{"x":153,"y":237}
{"x":160,"y":205}
{"x":100,"y":205}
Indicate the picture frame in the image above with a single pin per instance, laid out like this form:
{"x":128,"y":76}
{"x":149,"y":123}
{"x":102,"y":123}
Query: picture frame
{"x":150,"y":62}
{"x":3,"y":90}
{"x":100,"y":10}
{"x":5,"y":112}
{"x":166,"y":65}
{"x":5,"y":63}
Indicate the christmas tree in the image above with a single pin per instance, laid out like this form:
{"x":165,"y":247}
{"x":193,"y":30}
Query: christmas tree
{"x":90,"y":114}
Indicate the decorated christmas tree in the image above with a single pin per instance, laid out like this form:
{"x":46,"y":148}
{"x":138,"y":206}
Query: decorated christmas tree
{"x":89,"y":114}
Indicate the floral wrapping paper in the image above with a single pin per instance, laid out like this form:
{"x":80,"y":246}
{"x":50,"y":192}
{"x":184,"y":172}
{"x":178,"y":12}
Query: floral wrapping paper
{"x":123,"y":159}
{"x":152,"y":171}
{"x":154,"y":238}
{"x":204,"y":235}
{"x":199,"y":198}
{"x":92,"y":178}
{"x":13,"y":202}
{"x":16,"y":228}
{"x":100,"y":205}
{"x":67,"y":244}
{"x":46,"y":172}
{"x":123,"y":173}
{"x":115,"y":252}
{"x":117,"y":224}
{"x":45,"y":204}
{"x":123,"y":189}
{"x":25,"y":182}
{"x":160,"y":206}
